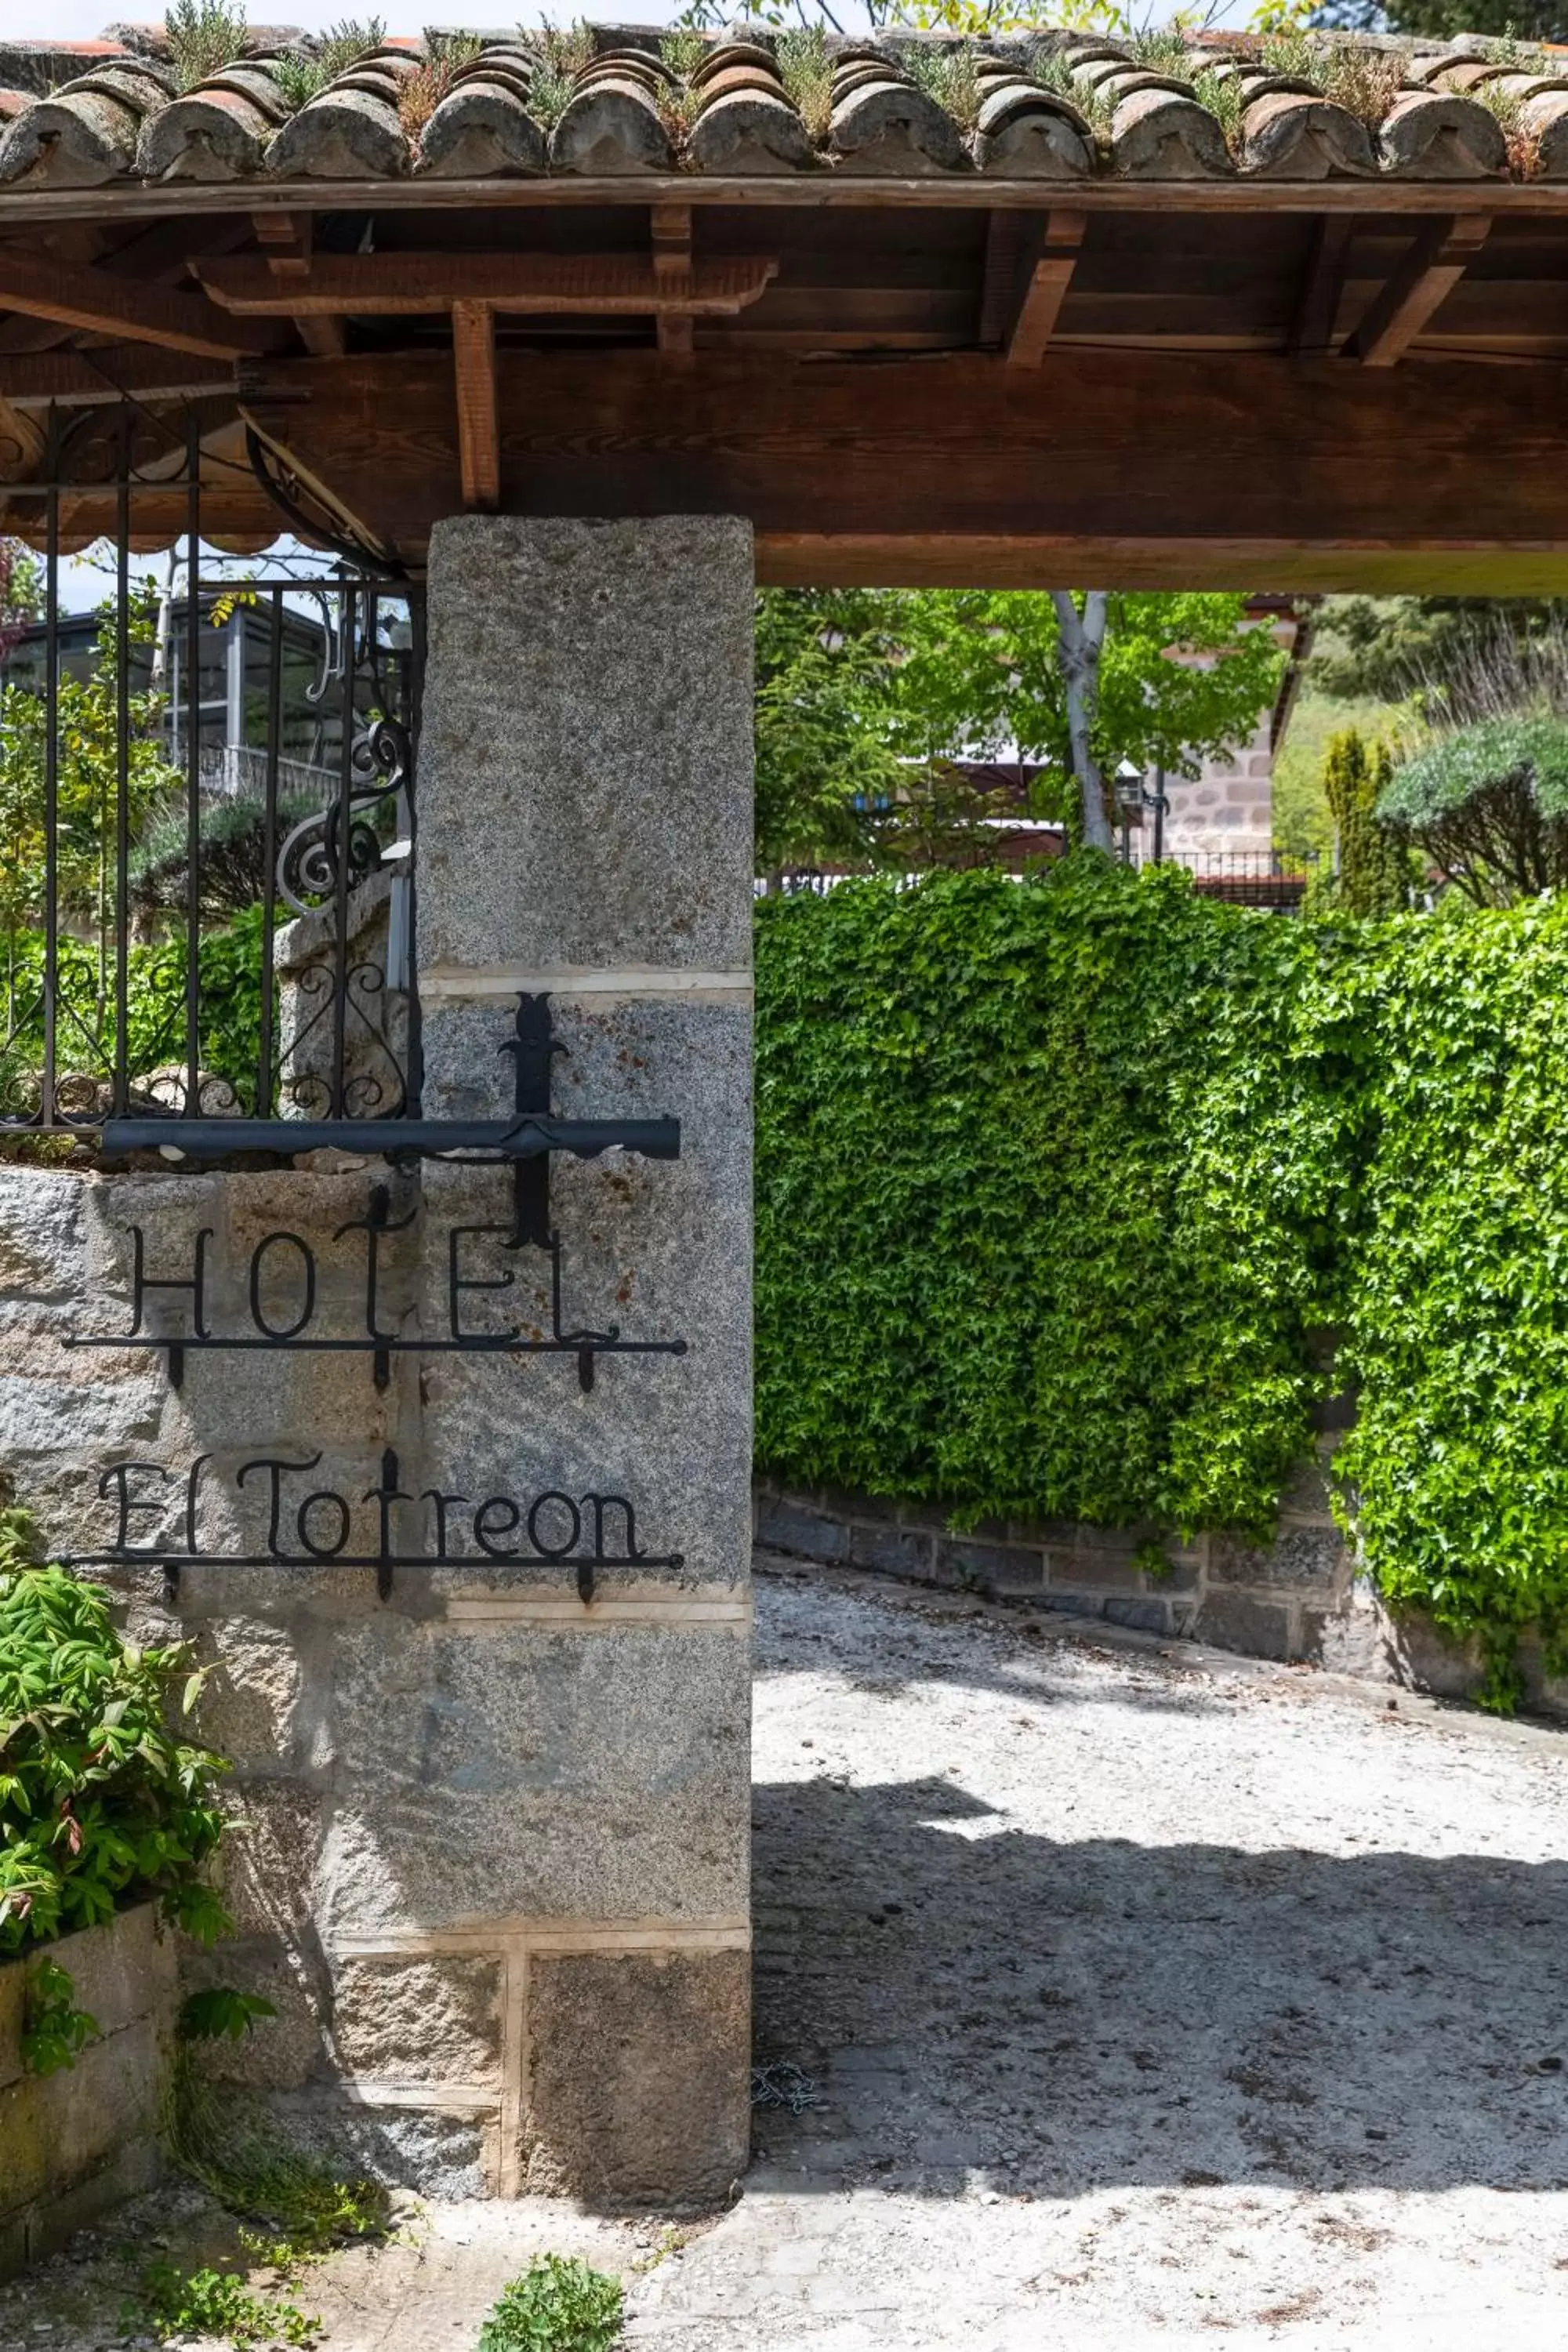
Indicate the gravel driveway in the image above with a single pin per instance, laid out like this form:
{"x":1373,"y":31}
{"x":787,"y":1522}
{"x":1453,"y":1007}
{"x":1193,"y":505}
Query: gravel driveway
{"x":1148,"y":1997}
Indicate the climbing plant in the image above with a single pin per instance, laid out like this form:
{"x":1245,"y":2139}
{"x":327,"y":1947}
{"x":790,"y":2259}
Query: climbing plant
{"x":1068,"y":1193}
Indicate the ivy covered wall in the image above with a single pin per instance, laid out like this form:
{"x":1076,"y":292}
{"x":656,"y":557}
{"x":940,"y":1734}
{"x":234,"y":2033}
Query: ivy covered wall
{"x":1070,"y":1195}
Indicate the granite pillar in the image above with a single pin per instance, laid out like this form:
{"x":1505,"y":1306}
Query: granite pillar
{"x":585,"y":826}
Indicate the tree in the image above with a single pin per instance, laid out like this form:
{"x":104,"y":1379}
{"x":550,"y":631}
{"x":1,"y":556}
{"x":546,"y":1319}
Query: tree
{"x":1391,"y":648}
{"x":825,"y":663}
{"x":1488,"y":805}
{"x":1373,"y":876}
{"x":1081,"y":681}
{"x":1441,"y":20}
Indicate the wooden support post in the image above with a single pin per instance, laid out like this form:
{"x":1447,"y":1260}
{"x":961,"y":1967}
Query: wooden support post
{"x":1005,"y":235}
{"x":478,"y":430}
{"x":1322,"y":283}
{"x":1413,"y":296}
{"x":671,"y":226}
{"x":1046,"y":291}
{"x":286,"y":238}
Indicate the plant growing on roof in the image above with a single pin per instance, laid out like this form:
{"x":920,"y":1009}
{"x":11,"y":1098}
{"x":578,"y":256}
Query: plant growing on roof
{"x":203,"y":36}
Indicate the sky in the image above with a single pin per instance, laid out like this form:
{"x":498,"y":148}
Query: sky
{"x":83,"y":20}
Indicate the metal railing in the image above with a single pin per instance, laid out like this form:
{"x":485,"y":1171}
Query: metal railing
{"x":230,"y":935}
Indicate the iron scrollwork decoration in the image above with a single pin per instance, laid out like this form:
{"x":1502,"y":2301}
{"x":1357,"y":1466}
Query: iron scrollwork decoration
{"x":224,"y":788}
{"x":526,"y":1141}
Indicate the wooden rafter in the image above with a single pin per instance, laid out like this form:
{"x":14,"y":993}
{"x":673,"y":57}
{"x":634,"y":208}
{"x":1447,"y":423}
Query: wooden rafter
{"x":479,"y":432}
{"x":1046,"y":287}
{"x":1431,"y":270}
{"x":671,"y":229}
{"x":93,"y":301}
{"x":106,"y":374}
{"x":287,"y":238}
{"x":406,"y":284}
{"x":1322,"y":283}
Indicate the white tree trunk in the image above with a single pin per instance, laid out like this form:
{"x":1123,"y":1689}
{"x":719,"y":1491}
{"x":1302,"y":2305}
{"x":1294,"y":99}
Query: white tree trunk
{"x":1082,"y":637}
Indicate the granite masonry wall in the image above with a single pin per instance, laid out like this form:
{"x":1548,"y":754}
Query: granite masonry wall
{"x":73,"y":2144}
{"x":491,"y":1841}
{"x":1299,"y":1599}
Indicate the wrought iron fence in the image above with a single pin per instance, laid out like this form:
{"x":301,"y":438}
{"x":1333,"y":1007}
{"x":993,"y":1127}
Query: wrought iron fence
{"x":195,"y":929}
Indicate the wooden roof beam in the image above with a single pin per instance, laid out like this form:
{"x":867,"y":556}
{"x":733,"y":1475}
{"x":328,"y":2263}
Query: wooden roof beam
{"x":410,"y":285}
{"x":478,"y":429}
{"x":1045,"y":287}
{"x":286,"y":238}
{"x":108,"y":372}
{"x":92,"y":302}
{"x":1322,"y":284}
{"x":1434,"y":265}
{"x":671,"y":226}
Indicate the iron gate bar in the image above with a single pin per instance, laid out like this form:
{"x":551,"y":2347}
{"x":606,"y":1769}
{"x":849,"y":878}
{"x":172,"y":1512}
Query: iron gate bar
{"x":395,"y":1139}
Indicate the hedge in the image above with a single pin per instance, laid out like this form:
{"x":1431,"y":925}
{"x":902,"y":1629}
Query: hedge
{"x":1074,"y":1197}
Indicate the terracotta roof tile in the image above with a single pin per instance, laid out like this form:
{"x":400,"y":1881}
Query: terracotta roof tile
{"x":1047,"y":104}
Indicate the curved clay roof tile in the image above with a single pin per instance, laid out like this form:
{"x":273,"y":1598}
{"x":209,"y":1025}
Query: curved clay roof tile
{"x":1289,"y":135}
{"x":220,"y":131}
{"x":1157,"y":135}
{"x":1433,"y":135}
{"x":889,"y":124}
{"x":86,"y":133}
{"x":744,"y":127}
{"x":611,"y":127}
{"x":482,"y":130}
{"x":342,"y":134}
{"x":1027,"y":132}
{"x":727,"y":54}
{"x":1543,"y":116}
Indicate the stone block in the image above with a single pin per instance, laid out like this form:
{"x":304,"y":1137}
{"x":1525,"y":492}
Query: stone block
{"x":586,"y":758}
{"x":1429,"y":1660}
{"x":418,"y":2021}
{"x":788,"y":1525}
{"x":1306,"y":1494}
{"x":513,"y":1771}
{"x":124,"y":1971}
{"x":291,"y":2047}
{"x":59,"y":2129}
{"x":1145,"y":1615}
{"x":1097,"y":1572}
{"x":43,"y":1232}
{"x":639,"y":2069}
{"x":1302,"y":1558}
{"x":250,"y":1704}
{"x":988,"y":1567}
{"x":661,"y":1249}
{"x":268,"y":1856}
{"x":436,"y":2153}
{"x":893,"y":1551}
{"x":1234,"y":1621}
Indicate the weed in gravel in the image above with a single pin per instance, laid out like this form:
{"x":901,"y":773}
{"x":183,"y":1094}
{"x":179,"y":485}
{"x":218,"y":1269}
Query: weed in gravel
{"x":557,"y":2305}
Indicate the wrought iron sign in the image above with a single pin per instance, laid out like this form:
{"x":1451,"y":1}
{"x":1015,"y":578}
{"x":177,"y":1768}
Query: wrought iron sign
{"x":526,"y":1141}
{"x":313,"y":1529}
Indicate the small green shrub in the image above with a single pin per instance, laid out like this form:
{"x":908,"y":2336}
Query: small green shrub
{"x":233,"y":2150}
{"x":55,"y":2032}
{"x":99,"y":1802}
{"x":557,"y":2305}
{"x":174,"y":2304}
{"x":221,"y":2013}
{"x":203,"y":36}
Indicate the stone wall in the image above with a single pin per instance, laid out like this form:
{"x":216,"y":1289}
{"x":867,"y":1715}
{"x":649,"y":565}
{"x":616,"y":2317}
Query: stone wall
{"x":74,"y":2143}
{"x":489,"y":1857}
{"x":1298,"y":1598}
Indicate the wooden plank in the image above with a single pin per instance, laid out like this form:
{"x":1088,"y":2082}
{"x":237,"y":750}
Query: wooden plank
{"x":409,"y":285}
{"x":1045,"y":287}
{"x":1094,"y":449}
{"x":1318,"y":302}
{"x":478,"y":436}
{"x":92,"y":378}
{"x":1437,"y":261}
{"x":999,"y":271}
{"x":823,"y":191}
{"x":286,"y":240}
{"x":670,"y":225}
{"x":91,"y":300}
{"x":21,"y":443}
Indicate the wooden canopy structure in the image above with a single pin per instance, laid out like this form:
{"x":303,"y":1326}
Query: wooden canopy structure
{"x":927,"y":312}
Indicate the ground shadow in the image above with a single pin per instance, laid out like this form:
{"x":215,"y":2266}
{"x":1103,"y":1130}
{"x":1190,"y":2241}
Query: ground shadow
{"x":976,"y":2000}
